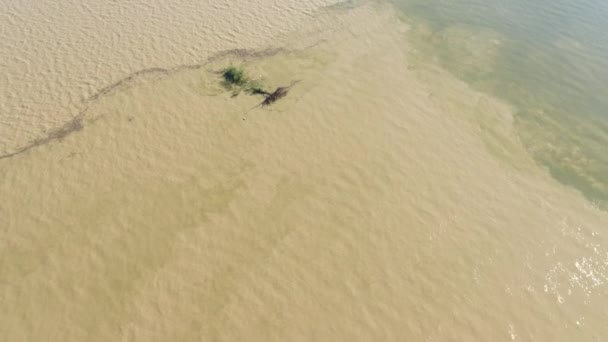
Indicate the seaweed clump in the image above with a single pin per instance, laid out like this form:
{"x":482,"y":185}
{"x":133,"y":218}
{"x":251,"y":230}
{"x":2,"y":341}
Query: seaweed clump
{"x":237,"y":80}
{"x":234,"y":76}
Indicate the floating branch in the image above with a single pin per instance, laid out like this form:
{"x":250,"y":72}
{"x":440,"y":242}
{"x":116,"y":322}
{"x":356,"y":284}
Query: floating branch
{"x":277,"y":94}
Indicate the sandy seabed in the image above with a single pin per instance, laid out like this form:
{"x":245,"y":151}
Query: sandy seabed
{"x":381,"y":200}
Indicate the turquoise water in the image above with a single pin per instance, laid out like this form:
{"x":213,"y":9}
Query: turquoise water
{"x":549,"y":59}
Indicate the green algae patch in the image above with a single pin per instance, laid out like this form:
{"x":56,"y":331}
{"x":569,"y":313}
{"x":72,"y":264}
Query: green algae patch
{"x":237,"y":80}
{"x":234,"y":77}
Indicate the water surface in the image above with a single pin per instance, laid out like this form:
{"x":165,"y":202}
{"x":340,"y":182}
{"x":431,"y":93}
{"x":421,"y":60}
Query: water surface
{"x":399,"y":192}
{"x":547,"y":58}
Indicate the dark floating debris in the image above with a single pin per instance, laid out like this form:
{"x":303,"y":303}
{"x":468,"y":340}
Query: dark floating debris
{"x":237,"y":80}
{"x":278,"y":94}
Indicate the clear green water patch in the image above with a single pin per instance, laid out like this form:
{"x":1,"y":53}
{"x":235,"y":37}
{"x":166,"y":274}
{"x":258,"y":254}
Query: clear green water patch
{"x":548,"y":60}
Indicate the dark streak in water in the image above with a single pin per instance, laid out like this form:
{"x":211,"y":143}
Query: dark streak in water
{"x":74,"y":125}
{"x":77,"y":123}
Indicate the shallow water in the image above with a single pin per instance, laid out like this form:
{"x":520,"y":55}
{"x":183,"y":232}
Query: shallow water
{"x":382,"y":199}
{"x":547,"y":58}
